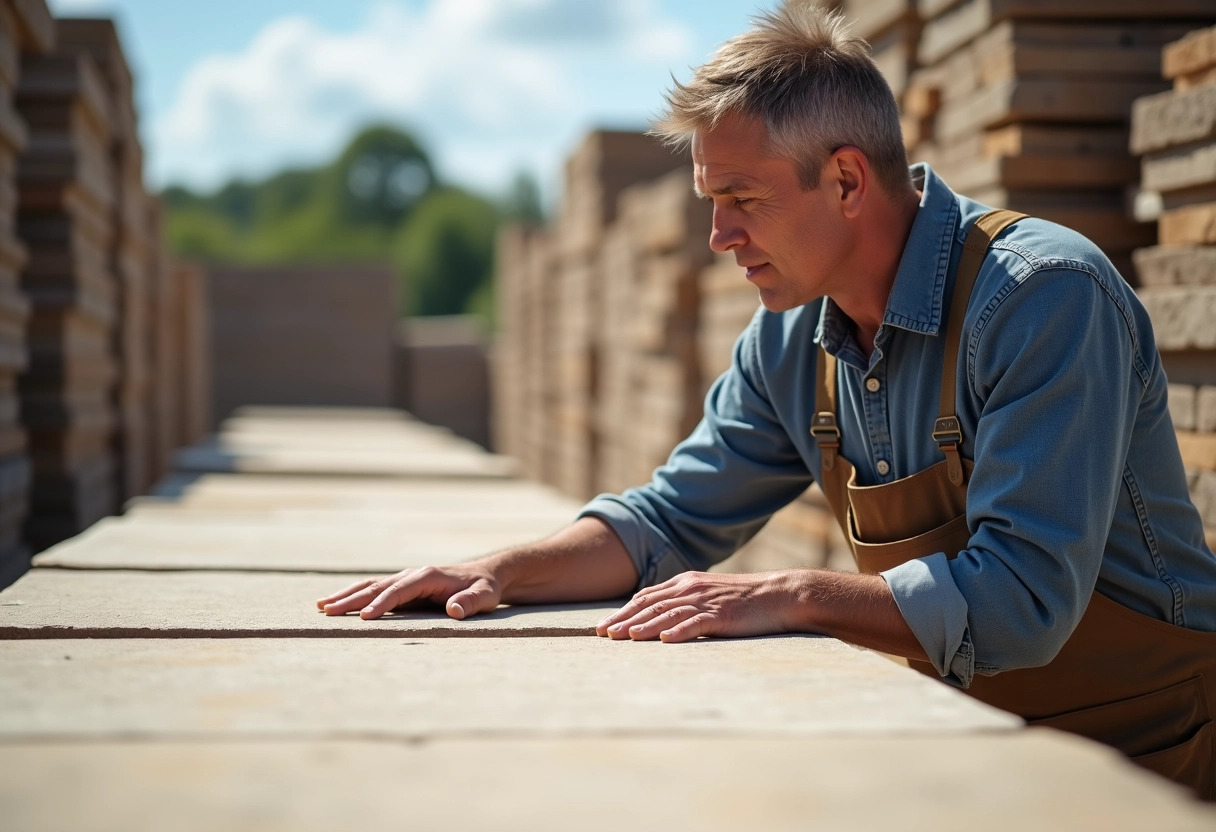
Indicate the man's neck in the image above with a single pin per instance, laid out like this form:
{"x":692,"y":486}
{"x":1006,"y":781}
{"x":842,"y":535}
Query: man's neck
{"x":876,"y":264}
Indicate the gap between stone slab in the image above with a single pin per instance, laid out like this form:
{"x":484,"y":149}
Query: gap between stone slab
{"x":155,"y":737}
{"x":67,"y":633}
{"x":242,"y":570}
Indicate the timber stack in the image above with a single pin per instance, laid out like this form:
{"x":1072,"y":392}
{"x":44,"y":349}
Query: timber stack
{"x":25,"y":27}
{"x":1175,"y":132}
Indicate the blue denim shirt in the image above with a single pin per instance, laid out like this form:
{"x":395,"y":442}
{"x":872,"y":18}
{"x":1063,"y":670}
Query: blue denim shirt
{"x":1078,"y":481}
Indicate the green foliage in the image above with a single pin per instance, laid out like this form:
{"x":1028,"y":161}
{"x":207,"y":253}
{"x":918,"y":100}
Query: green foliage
{"x":446,"y":252}
{"x":378,"y":201}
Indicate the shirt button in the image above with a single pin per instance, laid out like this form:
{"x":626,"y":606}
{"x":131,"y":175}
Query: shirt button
{"x":873,"y":385}
{"x":883,"y":467}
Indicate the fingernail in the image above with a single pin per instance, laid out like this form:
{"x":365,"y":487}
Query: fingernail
{"x":615,"y":628}
{"x":365,"y":609}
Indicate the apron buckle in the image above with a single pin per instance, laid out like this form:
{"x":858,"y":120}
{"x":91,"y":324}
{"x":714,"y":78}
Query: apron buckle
{"x":827,"y":436}
{"x":948,"y":434}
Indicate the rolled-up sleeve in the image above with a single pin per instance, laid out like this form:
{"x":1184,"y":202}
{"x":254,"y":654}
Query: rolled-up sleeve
{"x":1054,"y":373}
{"x":719,"y":486}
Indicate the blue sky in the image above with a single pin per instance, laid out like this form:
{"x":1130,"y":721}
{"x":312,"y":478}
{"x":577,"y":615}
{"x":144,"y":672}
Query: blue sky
{"x":247,"y":87}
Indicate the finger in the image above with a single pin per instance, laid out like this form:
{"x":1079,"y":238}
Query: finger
{"x":639,"y":602}
{"x":343,"y":593}
{"x":654,"y":609}
{"x":479,"y":598}
{"x":354,"y":601}
{"x":702,"y":624}
{"x":660,"y":623}
{"x":401,"y":591}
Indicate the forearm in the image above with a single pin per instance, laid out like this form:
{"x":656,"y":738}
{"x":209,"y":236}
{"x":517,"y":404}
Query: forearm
{"x":585,"y":561}
{"x":855,"y":608}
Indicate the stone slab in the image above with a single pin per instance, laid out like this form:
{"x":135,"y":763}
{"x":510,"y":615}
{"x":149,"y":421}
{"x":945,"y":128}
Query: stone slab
{"x":54,"y":603}
{"x":1170,"y":119}
{"x":370,"y":543}
{"x":1182,"y":316}
{"x":221,"y":456}
{"x":265,"y":494}
{"x":1189,"y":225}
{"x":1193,"y":53}
{"x":1179,"y":169}
{"x":1031,"y":780}
{"x":422,"y":688}
{"x":1180,"y":265}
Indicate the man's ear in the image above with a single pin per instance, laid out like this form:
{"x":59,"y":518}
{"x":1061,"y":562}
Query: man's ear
{"x":852,"y":171}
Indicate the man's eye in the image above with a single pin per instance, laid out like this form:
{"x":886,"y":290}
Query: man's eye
{"x":740,"y":201}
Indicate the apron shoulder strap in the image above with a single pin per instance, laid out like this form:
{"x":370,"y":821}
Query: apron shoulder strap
{"x":947,"y":430}
{"x":823,"y":425}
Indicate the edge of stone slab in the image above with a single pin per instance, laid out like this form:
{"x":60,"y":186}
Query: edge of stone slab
{"x":50,"y":632}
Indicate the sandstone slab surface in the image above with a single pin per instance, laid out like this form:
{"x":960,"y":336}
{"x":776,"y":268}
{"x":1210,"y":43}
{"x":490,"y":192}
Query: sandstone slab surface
{"x":55,"y":603}
{"x":1033,"y":780}
{"x":370,"y":543}
{"x":264,"y":495}
{"x":268,"y":458}
{"x":419,"y":688}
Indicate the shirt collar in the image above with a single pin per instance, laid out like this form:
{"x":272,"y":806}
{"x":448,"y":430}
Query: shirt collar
{"x":920,"y":283}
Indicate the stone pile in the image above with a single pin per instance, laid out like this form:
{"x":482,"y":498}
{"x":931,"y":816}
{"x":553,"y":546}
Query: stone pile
{"x":1176,"y":133}
{"x":604,"y":165}
{"x":87,"y":291}
{"x":1025,"y":105}
{"x":66,"y":180}
{"x":133,"y":255}
{"x":24,"y":27}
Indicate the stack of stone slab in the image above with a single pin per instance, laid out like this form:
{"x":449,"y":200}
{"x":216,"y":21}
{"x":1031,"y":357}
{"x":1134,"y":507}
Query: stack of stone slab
{"x":508,"y":358}
{"x":66,"y":213}
{"x":597,"y":172}
{"x":892,"y":28}
{"x":522,"y":381}
{"x":1176,"y":133}
{"x":132,"y":253}
{"x":652,"y":382}
{"x":1025,"y":105}
{"x":25,"y":27}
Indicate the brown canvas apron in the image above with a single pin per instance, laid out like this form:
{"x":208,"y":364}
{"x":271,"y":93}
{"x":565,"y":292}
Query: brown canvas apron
{"x":1141,"y":685}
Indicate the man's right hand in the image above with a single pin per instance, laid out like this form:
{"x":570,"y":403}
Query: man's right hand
{"x":463,"y":589}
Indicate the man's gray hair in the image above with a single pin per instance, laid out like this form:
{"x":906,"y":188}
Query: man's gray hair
{"x":813,"y":85}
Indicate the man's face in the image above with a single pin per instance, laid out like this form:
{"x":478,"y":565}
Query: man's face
{"x":790,"y":240}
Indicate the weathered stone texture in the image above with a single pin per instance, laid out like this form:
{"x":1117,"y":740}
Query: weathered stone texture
{"x":1170,"y":119}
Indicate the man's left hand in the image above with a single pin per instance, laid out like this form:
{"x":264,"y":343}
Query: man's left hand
{"x":696,"y":604}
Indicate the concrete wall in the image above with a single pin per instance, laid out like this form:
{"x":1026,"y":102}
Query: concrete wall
{"x":302,"y":336}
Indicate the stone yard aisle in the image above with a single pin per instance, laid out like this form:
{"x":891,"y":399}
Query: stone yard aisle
{"x":167,"y":670}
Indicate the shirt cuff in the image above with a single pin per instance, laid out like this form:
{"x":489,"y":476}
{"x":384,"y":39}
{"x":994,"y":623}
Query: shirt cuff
{"x":653,"y":556}
{"x":931,"y":603}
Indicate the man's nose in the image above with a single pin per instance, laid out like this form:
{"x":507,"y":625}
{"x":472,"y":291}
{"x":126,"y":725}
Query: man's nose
{"x":725,"y":235}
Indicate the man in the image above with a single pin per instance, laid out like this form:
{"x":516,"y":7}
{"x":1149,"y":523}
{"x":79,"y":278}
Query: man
{"x":978,"y":394}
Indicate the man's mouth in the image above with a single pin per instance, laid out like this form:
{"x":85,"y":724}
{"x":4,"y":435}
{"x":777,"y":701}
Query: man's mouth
{"x":752,"y":271}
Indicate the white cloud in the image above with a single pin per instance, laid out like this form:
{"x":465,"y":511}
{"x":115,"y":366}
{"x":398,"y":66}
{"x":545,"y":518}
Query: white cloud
{"x":487,"y":84}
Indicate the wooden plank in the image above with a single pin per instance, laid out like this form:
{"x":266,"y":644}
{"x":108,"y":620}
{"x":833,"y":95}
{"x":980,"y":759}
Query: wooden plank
{"x":1046,"y":172}
{"x":871,"y":18}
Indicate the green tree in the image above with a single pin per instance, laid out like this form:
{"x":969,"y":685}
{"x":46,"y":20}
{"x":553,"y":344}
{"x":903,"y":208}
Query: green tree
{"x":445,"y":252}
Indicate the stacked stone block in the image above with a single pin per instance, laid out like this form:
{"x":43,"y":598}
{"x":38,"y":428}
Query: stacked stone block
{"x":66,"y":219}
{"x":1025,"y":105}
{"x":1176,"y":133}
{"x":132,"y":254}
{"x":24,"y":28}
{"x":650,"y":367}
{"x":605,"y":164}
